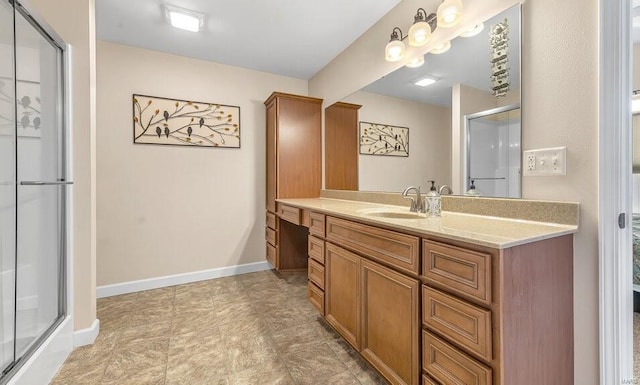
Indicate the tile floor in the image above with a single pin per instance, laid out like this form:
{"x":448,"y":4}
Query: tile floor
{"x":254,"y":328}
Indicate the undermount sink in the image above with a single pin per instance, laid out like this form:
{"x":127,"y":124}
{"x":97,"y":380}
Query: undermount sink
{"x":394,"y":214}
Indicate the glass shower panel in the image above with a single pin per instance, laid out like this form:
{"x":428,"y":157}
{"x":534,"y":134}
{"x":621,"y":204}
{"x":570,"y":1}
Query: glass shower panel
{"x":39,"y":213}
{"x":7,"y":188}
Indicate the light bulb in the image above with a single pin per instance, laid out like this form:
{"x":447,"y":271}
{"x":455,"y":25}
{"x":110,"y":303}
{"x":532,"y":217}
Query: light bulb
{"x":449,"y":13}
{"x":441,"y":48}
{"x":394,"y":50}
{"x":419,"y":34}
{"x":415,"y":62}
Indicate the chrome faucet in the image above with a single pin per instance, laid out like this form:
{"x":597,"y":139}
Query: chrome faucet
{"x":417,"y":205}
{"x":445,"y":187}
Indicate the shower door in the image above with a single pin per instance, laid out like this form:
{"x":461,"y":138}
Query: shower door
{"x":32,"y":186}
{"x":493,"y":152}
{"x":7,"y":188}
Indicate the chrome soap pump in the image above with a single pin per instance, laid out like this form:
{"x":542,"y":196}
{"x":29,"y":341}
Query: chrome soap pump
{"x":433,"y":201}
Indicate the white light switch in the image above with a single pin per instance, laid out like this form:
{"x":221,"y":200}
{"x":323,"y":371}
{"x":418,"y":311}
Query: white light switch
{"x":545,"y":162}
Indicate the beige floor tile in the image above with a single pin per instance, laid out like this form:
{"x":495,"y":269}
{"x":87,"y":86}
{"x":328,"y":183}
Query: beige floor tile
{"x":147,"y":376}
{"x":243,"y":328}
{"x":313,"y":365}
{"x":304,"y":335}
{"x":162,"y":294}
{"x":249,"y":352}
{"x":141,"y":334}
{"x":136,"y":357}
{"x":344,"y":378}
{"x":194,"y":321}
{"x":200,"y":341}
{"x":196,"y":368}
{"x":80,"y":373}
{"x":272,"y":372}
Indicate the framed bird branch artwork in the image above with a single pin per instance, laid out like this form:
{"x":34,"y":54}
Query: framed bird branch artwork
{"x":383,"y":139}
{"x":158,"y":120}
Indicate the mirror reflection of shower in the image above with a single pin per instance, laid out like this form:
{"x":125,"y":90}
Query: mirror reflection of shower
{"x":494,"y":152}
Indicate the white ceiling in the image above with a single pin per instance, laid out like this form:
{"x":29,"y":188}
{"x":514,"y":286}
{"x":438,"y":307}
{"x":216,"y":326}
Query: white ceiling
{"x":286,"y":37}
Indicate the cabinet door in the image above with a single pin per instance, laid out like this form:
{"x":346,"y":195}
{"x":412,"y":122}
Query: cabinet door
{"x":342,"y":299}
{"x":390,"y":323}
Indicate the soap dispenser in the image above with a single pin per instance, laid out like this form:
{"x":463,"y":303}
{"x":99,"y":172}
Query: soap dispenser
{"x":472,"y":190}
{"x":433,"y":201}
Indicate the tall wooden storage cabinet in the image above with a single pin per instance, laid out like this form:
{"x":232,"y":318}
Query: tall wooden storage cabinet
{"x":341,"y":146}
{"x":293,"y":170}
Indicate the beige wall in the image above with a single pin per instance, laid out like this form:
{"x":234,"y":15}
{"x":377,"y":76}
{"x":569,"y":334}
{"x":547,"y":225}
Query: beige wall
{"x":428,"y":158}
{"x":559,"y":107}
{"x":165,"y":210}
{"x":80,"y":33}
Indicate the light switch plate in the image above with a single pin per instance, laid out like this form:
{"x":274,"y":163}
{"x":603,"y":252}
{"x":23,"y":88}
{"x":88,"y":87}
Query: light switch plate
{"x":545,"y":162}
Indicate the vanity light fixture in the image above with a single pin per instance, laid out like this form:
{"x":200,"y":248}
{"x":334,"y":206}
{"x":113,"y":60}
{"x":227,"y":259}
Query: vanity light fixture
{"x":473,"y":31}
{"x":441,"y":48}
{"x":394,"y":50}
{"x":416,"y":62}
{"x":426,"y":81}
{"x":184,"y":18}
{"x":449,"y":13}
{"x":423,"y":25}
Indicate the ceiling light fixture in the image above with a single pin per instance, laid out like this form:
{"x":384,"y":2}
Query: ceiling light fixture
{"x":423,"y":25}
{"x":426,"y":81}
{"x":473,"y":31}
{"x":394,"y":50}
{"x":184,"y":18}
{"x":441,"y":48}
{"x":416,"y":62}
{"x":449,"y":13}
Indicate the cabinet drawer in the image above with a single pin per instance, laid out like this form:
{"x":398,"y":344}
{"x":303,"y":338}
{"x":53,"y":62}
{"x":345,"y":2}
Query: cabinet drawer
{"x":316,"y":297}
{"x":461,"y":271}
{"x":463,"y":323}
{"x":316,"y":224}
{"x":316,"y":249}
{"x":450,"y":366}
{"x":271,"y":236}
{"x":272,"y":254}
{"x":396,"y":249}
{"x":272,"y":220}
{"x":291,"y":214}
{"x":316,"y":273}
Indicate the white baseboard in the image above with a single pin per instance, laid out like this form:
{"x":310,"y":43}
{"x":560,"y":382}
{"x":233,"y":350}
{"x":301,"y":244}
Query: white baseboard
{"x":178,"y":279}
{"x":86,"y":336}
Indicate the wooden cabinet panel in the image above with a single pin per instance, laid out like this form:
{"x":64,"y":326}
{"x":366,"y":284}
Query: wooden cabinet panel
{"x":316,"y":297}
{"x":342,"y":293}
{"x":390,"y":323}
{"x":272,"y":221}
{"x":271,"y":156}
{"x":463,"y":323}
{"x":291,"y":214}
{"x":450,"y":366}
{"x":316,"y":224}
{"x":316,"y":273}
{"x":316,"y":249}
{"x":299,"y":154}
{"x":426,"y":380}
{"x":272,"y":253}
{"x":341,"y":146}
{"x":465,"y":272}
{"x":271,"y":236}
{"x":399,"y":250}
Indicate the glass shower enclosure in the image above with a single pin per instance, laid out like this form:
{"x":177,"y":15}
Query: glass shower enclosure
{"x":494,"y":152}
{"x":32,"y":185}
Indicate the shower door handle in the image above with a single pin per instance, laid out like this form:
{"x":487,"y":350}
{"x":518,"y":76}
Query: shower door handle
{"x":44,"y":183}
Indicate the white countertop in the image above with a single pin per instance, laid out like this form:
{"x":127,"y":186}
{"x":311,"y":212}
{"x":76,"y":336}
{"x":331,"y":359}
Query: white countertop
{"x":500,"y":233}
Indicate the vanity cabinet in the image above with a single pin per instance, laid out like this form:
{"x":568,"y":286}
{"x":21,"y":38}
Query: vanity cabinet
{"x":293,"y":170}
{"x":374,"y":307}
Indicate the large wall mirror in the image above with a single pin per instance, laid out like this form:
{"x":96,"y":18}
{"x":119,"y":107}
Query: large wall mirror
{"x":408,"y":134}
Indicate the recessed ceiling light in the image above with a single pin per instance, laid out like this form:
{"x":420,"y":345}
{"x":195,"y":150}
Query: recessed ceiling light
{"x":184,"y":18}
{"x":425,"y":81}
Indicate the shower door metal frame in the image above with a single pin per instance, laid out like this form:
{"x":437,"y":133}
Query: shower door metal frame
{"x":27,"y":11}
{"x":467,"y":140}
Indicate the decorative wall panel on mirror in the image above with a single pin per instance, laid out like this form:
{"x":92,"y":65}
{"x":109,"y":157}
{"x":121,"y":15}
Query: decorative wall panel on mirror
{"x":466,"y":77}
